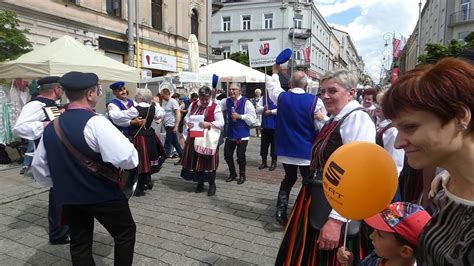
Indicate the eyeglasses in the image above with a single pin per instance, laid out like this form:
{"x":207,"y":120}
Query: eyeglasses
{"x":234,"y":89}
{"x":99,"y":90}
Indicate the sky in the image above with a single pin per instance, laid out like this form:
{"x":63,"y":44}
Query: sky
{"x":368,"y":21}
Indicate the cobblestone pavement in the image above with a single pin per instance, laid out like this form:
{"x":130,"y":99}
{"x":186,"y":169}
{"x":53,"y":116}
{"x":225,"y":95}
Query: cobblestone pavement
{"x":174,"y":225}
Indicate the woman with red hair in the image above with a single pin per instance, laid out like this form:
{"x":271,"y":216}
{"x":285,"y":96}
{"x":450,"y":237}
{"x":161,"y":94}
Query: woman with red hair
{"x":432,"y":108}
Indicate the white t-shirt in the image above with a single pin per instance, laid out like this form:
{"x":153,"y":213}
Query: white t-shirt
{"x":170,"y":112}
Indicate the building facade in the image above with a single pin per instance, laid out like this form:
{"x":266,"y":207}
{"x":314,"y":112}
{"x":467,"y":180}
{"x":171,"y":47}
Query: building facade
{"x":297,"y":24}
{"x":349,"y":57}
{"x":441,"y":22}
{"x":163,"y":28}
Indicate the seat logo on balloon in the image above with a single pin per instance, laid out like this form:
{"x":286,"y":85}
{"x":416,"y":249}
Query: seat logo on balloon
{"x":334,"y":173}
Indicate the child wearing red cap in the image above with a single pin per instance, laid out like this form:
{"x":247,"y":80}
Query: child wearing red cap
{"x":395,"y":235}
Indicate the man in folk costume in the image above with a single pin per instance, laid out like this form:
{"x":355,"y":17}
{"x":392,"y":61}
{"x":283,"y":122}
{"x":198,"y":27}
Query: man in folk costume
{"x":240,"y":116}
{"x":268,"y":110}
{"x":300,"y":116}
{"x":85,"y":194}
{"x":117,"y":108}
{"x":200,"y":162}
{"x":30,"y":125}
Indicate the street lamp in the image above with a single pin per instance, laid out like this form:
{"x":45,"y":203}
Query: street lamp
{"x":296,"y":10}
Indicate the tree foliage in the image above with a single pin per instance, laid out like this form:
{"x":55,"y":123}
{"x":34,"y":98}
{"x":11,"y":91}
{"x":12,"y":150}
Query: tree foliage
{"x":13,"y":41}
{"x":240,"y":57}
{"x":435,"y":52}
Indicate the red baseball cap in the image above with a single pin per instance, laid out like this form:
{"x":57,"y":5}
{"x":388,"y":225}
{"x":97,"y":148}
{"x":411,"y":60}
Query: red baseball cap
{"x":403,"y":218}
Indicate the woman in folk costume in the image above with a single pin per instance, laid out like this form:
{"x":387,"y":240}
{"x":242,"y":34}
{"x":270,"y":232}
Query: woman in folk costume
{"x":150,"y":149}
{"x":313,"y":232}
{"x":200,"y":162}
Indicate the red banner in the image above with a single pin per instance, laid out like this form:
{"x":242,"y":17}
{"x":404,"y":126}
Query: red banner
{"x":394,"y":74}
{"x":396,"y":49}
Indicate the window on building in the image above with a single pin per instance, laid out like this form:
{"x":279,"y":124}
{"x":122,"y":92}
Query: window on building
{"x":157,"y":14}
{"x":268,"y":21}
{"x":225,"y":23}
{"x":244,"y":48}
{"x":246,"y":22}
{"x":462,"y":35}
{"x":195,"y":23}
{"x":114,"y":7}
{"x":298,"y":21}
{"x":226,"y":52}
{"x":73,"y":2}
{"x":465,"y":9}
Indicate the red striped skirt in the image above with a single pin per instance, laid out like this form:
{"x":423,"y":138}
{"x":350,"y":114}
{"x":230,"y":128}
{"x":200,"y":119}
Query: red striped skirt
{"x":196,"y":162}
{"x":151,"y":153}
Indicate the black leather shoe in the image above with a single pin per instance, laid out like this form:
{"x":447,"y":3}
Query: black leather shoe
{"x":200,"y":187}
{"x":263,"y":166}
{"x":281,"y":217}
{"x":231,"y":178}
{"x":212,"y":189}
{"x":273,"y":166}
{"x":61,"y":241}
{"x":148,"y":186}
{"x":241,"y":180}
{"x":140,"y":191}
{"x":178,"y":162}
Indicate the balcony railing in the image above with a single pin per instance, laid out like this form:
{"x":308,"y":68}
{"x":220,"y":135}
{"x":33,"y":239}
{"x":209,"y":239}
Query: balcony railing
{"x":300,"y":63}
{"x":300,"y":33}
{"x":461,"y":17}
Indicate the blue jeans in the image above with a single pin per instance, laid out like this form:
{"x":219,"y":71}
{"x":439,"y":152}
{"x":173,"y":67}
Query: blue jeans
{"x":172,"y":141}
{"x":28,"y":159}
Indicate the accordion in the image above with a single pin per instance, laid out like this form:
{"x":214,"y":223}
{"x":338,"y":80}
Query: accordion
{"x":52,"y":112}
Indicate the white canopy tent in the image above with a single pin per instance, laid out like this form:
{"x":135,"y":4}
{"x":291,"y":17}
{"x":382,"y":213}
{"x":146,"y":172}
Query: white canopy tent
{"x":64,"y":55}
{"x":230,"y":70}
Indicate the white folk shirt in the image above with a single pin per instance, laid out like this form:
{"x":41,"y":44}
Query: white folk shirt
{"x":274,"y":89}
{"x":159,"y":111}
{"x":389,"y":136}
{"x":218,"y":116}
{"x":102,"y":137}
{"x":249,"y":115}
{"x":120,"y":117}
{"x":29,"y":123}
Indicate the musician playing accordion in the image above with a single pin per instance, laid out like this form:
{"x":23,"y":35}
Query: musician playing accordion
{"x":34,"y":117}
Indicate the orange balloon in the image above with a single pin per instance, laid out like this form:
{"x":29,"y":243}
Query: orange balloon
{"x":359,"y":180}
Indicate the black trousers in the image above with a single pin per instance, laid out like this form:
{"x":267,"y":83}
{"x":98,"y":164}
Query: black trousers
{"x":57,"y":231}
{"x":268,"y":141}
{"x":116,"y":218}
{"x":291,"y":175}
{"x":229,"y":148}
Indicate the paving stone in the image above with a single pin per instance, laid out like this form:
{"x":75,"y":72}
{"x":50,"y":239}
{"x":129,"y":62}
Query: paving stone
{"x":227,"y":251}
{"x":202,"y":256}
{"x":177,"y":259}
{"x":149,"y":250}
{"x":226,"y":240}
{"x":198,"y":243}
{"x":172,"y":246}
{"x":248,"y":246}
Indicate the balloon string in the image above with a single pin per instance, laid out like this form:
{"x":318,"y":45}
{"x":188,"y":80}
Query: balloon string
{"x":345,"y":232}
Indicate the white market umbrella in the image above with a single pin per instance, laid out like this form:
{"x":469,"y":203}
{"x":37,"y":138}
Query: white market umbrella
{"x":232,"y":71}
{"x":193,"y":51}
{"x":65,"y":55}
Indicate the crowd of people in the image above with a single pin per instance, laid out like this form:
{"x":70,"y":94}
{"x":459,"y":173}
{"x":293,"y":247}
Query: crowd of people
{"x":424,"y":121}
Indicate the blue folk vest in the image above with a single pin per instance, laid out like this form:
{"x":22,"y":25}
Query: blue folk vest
{"x":122,"y":107}
{"x":72,"y":183}
{"x":295,"y":131}
{"x":237,"y":129}
{"x":268,"y":121}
